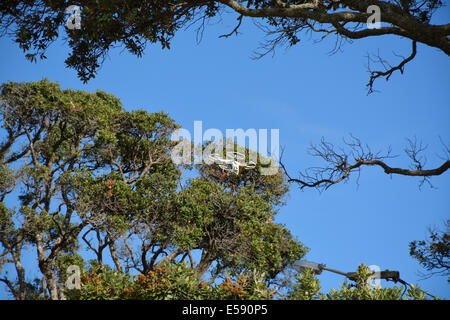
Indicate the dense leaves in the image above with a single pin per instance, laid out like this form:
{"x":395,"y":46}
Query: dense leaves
{"x":179,"y":281}
{"x":34,"y":25}
{"x":82,"y":177}
{"x":89,"y":175}
{"x":307,"y":287}
{"x":433,"y":253}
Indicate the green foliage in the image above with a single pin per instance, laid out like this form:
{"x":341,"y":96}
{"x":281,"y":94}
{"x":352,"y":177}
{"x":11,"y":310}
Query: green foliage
{"x":80,"y":165}
{"x":134,"y":24}
{"x":307,"y":287}
{"x":100,"y":282}
{"x":240,"y":223}
{"x":64,"y":261}
{"x":7,"y":180}
{"x":96,"y":169}
{"x":168,"y":282}
{"x":434,"y":252}
{"x":6,"y":221}
{"x":180,"y":282}
{"x":248,"y":285}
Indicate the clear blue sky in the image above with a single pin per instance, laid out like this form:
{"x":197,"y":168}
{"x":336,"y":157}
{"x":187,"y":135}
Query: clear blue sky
{"x":307,"y":94}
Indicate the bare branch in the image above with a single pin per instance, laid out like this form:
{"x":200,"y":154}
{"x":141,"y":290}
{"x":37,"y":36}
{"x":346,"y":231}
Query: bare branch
{"x":235,"y":30}
{"x":389,"y":70}
{"x":341,"y":163}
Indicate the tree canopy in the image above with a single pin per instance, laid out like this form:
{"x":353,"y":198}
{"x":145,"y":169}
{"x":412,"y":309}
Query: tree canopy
{"x":433,"y":253}
{"x":86,"y":183}
{"x":89,"y":175}
{"x":104,"y":24}
{"x":83,"y":178}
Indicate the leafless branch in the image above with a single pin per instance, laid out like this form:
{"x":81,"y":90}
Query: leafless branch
{"x":388,"y":69}
{"x":341,"y":163}
{"x":235,"y":30}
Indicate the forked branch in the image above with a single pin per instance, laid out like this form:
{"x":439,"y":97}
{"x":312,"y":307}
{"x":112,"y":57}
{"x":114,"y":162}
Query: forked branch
{"x":341,"y":163}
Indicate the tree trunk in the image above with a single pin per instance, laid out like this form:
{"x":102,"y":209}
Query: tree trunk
{"x":115,"y":256}
{"x":22,"y":293}
{"x":205,"y":263}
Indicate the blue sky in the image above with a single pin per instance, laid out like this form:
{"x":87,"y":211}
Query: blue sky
{"x":307,"y":94}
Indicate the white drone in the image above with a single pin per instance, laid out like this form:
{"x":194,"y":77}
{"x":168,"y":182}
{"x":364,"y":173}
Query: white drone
{"x":234,"y":164}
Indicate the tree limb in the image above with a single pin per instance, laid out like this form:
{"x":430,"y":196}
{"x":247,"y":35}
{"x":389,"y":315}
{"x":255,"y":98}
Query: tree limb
{"x":339,"y":166}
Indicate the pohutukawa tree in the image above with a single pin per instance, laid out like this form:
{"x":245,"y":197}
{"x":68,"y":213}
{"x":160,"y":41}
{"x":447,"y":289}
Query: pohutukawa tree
{"x":433,"y":253}
{"x":78,"y":172}
{"x":133,"y":24}
{"x":104,"y":24}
